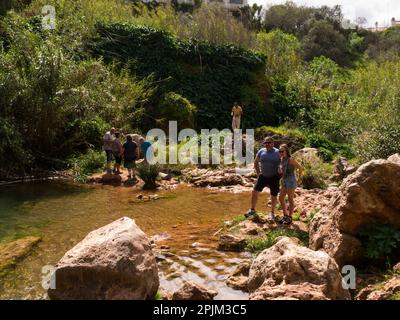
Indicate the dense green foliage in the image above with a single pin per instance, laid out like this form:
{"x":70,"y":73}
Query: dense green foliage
{"x":85,"y":164}
{"x":134,"y":66}
{"x":381,"y":241}
{"x":209,"y":76}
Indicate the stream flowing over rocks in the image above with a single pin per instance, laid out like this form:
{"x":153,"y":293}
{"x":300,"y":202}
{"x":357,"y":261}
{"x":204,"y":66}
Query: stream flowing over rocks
{"x":114,"y":262}
{"x":370,"y":195}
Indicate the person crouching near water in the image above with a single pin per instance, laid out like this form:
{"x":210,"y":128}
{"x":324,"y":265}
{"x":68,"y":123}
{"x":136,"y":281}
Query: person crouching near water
{"x":130,"y":152}
{"x":287,"y":169}
{"x":266,"y":164}
{"x":117,"y":151}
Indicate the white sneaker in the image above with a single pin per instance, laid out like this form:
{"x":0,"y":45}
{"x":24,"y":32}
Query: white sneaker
{"x":271,"y":217}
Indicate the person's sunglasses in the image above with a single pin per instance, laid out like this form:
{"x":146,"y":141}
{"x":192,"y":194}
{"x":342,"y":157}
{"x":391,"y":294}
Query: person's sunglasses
{"x":268,"y":142}
{"x":281,"y":151}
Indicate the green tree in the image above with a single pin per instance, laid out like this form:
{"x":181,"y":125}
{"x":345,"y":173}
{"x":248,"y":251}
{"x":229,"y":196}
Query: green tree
{"x":282,"y":51}
{"x":324,"y":40}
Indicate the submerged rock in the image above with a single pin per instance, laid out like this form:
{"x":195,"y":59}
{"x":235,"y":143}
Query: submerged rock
{"x":228,"y":242}
{"x":12,"y":252}
{"x":371,"y":195}
{"x":193,"y":291}
{"x":289,"y":270}
{"x":239,"y":278}
{"x":113,"y":262}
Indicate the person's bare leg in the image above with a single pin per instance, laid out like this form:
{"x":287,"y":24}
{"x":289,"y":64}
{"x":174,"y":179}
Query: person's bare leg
{"x":274,"y":200}
{"x":282,"y":196}
{"x":290,"y":193}
{"x":254,"y":198}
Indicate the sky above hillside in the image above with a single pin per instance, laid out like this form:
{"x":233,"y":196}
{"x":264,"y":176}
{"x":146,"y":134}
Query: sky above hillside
{"x":374,"y":10}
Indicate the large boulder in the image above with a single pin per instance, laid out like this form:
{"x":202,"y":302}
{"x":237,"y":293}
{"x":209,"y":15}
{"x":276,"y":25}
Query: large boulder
{"x":288,"y":270}
{"x":114,"y":262}
{"x":371,"y":195}
{"x":308,"y":155}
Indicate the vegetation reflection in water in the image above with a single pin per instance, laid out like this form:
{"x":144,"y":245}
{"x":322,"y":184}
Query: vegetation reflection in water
{"x":62,"y":215}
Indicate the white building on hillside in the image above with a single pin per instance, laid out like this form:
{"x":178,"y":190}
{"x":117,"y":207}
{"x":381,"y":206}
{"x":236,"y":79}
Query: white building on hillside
{"x":395,"y":22}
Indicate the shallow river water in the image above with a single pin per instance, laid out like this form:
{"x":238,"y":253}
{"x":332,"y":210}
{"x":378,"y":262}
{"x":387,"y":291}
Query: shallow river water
{"x":62,"y":214}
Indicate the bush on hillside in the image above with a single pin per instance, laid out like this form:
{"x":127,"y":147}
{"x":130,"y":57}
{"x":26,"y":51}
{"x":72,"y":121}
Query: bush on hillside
{"x":174,"y":107}
{"x":328,"y":148}
{"x":212,"y":77}
{"x":87,"y":164}
{"x":295,"y":138}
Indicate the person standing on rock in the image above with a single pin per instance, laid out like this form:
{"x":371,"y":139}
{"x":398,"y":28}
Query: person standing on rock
{"x":108,"y":147}
{"x":266,"y":165}
{"x":287,"y":170}
{"x":236,"y":114}
{"x":130,"y":151}
{"x":117,"y":151}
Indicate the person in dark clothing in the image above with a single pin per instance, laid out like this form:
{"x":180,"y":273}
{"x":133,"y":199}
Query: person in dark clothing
{"x":130,"y":152}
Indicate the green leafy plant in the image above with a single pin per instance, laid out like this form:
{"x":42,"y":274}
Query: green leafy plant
{"x":380,"y":241}
{"x":149,"y":174}
{"x":296,"y":216}
{"x":315,"y":173}
{"x":257,"y":245}
{"x":312,"y":215}
{"x":236,"y":220}
{"x":86,"y":164}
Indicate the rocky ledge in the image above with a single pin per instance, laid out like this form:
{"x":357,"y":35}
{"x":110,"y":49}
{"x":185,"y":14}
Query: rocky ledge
{"x":12,"y":252}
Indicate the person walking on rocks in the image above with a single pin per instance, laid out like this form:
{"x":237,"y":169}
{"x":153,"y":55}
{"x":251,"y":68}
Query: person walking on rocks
{"x":287,"y":169}
{"x":236,"y":114}
{"x":266,"y":165}
{"x":108,"y":147}
{"x":130,"y":151}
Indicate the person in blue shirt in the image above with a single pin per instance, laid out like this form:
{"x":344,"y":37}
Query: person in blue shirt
{"x":147,"y":149}
{"x":266,"y":165}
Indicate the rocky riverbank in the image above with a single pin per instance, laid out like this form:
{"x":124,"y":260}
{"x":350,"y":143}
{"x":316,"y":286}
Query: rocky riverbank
{"x":302,"y":261}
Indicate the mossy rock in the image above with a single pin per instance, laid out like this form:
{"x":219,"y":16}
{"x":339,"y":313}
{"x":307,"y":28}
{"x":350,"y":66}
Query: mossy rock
{"x":12,"y":252}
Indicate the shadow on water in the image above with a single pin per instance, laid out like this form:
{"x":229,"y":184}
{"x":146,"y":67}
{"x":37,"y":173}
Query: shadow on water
{"x":62,"y":215}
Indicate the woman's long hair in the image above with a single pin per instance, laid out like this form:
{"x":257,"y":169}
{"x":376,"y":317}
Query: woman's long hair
{"x":286,"y":148}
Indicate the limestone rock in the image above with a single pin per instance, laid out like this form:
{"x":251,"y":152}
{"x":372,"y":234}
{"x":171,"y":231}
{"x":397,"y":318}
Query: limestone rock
{"x":114,"y":262}
{"x":228,"y":242}
{"x":11,"y":252}
{"x":288,"y":269}
{"x":193,"y":291}
{"x":389,"y":290}
{"x":371,"y":195}
{"x":239,"y":278}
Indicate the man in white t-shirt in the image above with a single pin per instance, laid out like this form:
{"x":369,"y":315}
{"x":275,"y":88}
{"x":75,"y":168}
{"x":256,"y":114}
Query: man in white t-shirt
{"x":108,"y":140}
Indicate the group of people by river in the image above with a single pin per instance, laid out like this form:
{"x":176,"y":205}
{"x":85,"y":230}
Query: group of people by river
{"x":275,"y":168}
{"x":134,"y":147}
